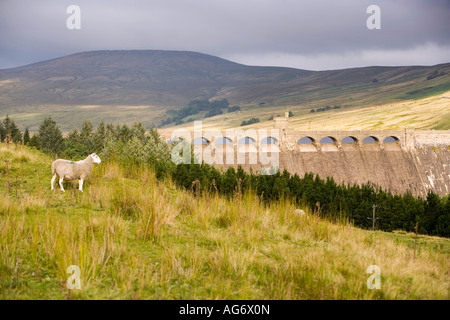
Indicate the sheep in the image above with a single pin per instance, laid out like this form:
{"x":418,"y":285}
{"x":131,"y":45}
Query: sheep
{"x":70,"y":170}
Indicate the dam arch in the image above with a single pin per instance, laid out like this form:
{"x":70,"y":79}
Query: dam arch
{"x":329,"y":143}
{"x":269,"y":140}
{"x":201,"y":141}
{"x":307,"y":144}
{"x":328,"y":140}
{"x":306,"y":140}
{"x":223,"y":141}
{"x":370,"y":139}
{"x":391,"y":139}
{"x":246,"y":141}
{"x":349,"y":139}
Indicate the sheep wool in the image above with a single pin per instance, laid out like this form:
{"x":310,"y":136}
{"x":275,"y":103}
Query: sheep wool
{"x":71,"y":170}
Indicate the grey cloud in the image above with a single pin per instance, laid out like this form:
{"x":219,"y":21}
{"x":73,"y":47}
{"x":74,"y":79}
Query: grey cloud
{"x":34,"y":30}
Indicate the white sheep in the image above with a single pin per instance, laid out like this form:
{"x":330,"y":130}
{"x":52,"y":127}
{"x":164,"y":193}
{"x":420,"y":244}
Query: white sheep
{"x":70,"y":170}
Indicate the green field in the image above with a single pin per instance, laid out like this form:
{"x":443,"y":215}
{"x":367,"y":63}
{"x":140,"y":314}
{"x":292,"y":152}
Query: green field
{"x":134,"y":237}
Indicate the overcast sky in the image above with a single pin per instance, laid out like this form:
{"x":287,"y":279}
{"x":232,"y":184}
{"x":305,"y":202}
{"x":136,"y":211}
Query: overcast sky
{"x":313,"y":34}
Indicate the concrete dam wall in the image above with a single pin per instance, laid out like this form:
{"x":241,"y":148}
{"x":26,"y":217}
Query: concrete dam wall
{"x":398,"y":160}
{"x":417,"y":170}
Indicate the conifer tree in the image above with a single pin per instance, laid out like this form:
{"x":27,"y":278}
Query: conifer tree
{"x":26,"y":137}
{"x":51,"y":139}
{"x":2,"y":132}
{"x":86,"y":137}
{"x":10,"y":132}
{"x":99,"y":137}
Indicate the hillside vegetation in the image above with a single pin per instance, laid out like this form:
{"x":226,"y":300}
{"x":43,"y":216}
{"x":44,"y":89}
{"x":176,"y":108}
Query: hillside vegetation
{"x":133,"y":146}
{"x":137,"y":237}
{"x":130,"y":86}
{"x":426,"y":113}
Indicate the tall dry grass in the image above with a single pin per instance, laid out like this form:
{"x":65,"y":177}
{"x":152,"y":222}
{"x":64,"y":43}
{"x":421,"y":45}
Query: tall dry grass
{"x":134,"y":237}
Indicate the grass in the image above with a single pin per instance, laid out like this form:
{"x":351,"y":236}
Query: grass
{"x":31,"y":116}
{"x":134,"y":237}
{"x":427,"y":91}
{"x":426,"y":113}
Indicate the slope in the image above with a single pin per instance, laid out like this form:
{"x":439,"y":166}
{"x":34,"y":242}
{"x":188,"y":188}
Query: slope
{"x":426,"y":113}
{"x":140,"y":85}
{"x":134,"y":237}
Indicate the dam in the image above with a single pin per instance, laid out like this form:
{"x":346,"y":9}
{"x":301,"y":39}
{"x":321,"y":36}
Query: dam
{"x":397,"y":160}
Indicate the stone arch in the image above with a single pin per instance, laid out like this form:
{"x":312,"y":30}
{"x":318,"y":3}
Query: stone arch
{"x":269,"y":140}
{"x":247,"y":150}
{"x":307,"y":144}
{"x":246,"y":141}
{"x":349,"y":139}
{"x":391,"y":143}
{"x":391,"y":139}
{"x":223,"y":141}
{"x":201,"y":140}
{"x":328,"y":143}
{"x":370,"y":139}
{"x":306,"y":140}
{"x":328,"y":140}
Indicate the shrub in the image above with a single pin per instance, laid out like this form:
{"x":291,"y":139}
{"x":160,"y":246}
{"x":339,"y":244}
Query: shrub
{"x":251,"y":121}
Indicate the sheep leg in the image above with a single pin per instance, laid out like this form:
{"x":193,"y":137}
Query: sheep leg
{"x":61,"y":184}
{"x":80,"y":186}
{"x":53,"y":179}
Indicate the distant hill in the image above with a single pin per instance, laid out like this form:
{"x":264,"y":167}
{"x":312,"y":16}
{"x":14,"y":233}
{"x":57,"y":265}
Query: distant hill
{"x":167,"y":78}
{"x":161,"y":79}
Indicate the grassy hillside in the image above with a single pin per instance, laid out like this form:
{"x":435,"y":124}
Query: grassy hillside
{"x":126,"y":86}
{"x":136,"y":238}
{"x":426,"y":113}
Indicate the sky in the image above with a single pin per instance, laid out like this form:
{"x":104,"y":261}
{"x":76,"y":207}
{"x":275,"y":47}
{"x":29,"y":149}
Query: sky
{"x":311,"y":35}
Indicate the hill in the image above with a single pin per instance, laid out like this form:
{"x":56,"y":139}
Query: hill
{"x":133,"y":86}
{"x":152,"y":77}
{"x":136,"y":237}
{"x":426,"y":113}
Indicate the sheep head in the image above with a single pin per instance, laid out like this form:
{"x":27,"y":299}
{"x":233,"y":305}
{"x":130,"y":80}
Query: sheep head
{"x":95,"y":158}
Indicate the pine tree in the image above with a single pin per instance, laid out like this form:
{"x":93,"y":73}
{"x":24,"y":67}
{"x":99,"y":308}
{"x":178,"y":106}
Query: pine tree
{"x":86,"y":129}
{"x":86,"y":137}
{"x":2,"y":132}
{"x":229,"y":181}
{"x":443,"y":222}
{"x":74,"y":146}
{"x":26,"y":137}
{"x":433,"y":209}
{"x":138,"y":131}
{"x":35,"y":142}
{"x":110,"y":131}
{"x":123,"y":133}
{"x":134,"y":152}
{"x":73,"y":136}
{"x":99,"y":137}
{"x":16,"y":135}
{"x":51,"y":137}
{"x":10,"y":132}
{"x":6,"y":130}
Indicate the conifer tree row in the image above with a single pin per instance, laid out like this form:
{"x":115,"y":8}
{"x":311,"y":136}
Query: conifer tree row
{"x":134,"y":146}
